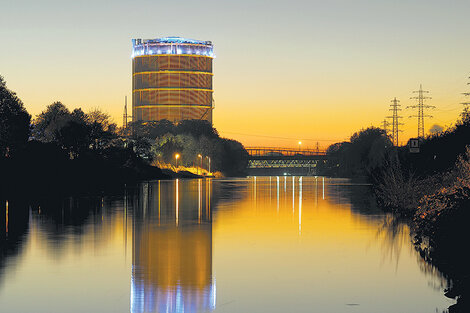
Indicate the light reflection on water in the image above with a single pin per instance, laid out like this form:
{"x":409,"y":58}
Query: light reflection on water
{"x":172,"y":249}
{"x":277,"y":244}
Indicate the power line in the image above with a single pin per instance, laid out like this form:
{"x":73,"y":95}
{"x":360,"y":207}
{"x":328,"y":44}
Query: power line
{"x":276,"y":137}
{"x":449,"y":110}
{"x":446,"y":123}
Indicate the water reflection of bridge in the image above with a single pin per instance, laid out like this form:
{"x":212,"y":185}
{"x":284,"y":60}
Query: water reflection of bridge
{"x":270,"y":159}
{"x":172,"y":248}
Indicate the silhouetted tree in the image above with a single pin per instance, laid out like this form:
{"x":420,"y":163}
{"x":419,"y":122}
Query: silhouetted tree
{"x":338,"y":162}
{"x":150,"y":129}
{"x":142,"y":147}
{"x":234,"y":159}
{"x":49,"y":122}
{"x":102,"y":129}
{"x":74,"y":135}
{"x":74,"y":131}
{"x":14,"y":121}
{"x":369,"y":148}
{"x":196,"y":128}
{"x":155,"y":129}
{"x":362,"y":155}
{"x":160,"y":128}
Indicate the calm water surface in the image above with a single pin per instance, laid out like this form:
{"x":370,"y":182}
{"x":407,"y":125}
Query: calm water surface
{"x":261,"y":244}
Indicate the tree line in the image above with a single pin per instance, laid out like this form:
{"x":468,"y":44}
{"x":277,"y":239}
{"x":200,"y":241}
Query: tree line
{"x":84,"y":148}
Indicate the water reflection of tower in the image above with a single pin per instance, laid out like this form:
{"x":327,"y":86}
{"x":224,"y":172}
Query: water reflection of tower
{"x":172,"y":248}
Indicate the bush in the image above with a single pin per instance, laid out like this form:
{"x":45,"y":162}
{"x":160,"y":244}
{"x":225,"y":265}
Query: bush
{"x":189,"y":138}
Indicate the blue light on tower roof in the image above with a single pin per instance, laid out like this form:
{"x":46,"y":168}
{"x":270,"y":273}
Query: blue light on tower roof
{"x":175,"y":39}
{"x":172,"y":45}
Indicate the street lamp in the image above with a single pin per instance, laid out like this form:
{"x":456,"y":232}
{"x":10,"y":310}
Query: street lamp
{"x":300,"y":142}
{"x":177,"y":156}
{"x":199,"y":156}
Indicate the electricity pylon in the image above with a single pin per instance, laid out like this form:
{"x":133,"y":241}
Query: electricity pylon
{"x":466,"y":105}
{"x":125,"y":121}
{"x":395,"y":107}
{"x":385,"y":125}
{"x":124,"y":116}
{"x":421,"y":106}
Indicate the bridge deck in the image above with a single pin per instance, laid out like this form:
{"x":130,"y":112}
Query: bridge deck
{"x":273,"y":157}
{"x":283,"y":152}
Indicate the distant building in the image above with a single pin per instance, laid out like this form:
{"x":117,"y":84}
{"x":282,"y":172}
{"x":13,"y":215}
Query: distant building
{"x":172,"y":79}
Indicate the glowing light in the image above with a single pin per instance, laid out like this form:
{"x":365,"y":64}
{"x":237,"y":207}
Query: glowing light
{"x":199,"y":200}
{"x":146,"y":199}
{"x":254,"y":181}
{"x":316,"y":191}
{"x":213,"y":293}
{"x":174,"y":89}
{"x":300,"y":205}
{"x":176,"y":202}
{"x":277,"y":178}
{"x":293,"y":194}
{"x":6,"y":216}
{"x":159,"y":202}
{"x":177,"y":156}
{"x":182,"y":46}
{"x":270,"y":191}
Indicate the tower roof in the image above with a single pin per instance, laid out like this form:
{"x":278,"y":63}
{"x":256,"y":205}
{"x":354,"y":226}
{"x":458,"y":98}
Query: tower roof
{"x":172,"y":45}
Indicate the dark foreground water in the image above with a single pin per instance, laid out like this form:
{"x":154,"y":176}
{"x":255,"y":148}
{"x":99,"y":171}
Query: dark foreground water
{"x":261,"y":244}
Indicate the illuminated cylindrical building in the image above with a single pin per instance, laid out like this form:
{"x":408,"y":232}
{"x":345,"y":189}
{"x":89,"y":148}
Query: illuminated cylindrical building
{"x":172,"y":79}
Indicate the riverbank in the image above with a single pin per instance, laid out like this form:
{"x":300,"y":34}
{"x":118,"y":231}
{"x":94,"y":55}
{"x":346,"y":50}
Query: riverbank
{"x":44,"y":170}
{"x":440,"y":229}
{"x":42,"y":177}
{"x":437,"y":209}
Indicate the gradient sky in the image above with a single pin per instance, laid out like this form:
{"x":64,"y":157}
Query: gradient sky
{"x":285,"y":70}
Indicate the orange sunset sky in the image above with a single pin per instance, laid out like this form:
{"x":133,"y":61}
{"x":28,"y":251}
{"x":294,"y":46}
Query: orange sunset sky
{"x":285,"y":71}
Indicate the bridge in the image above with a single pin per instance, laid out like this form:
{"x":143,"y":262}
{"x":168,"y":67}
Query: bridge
{"x":285,"y":160}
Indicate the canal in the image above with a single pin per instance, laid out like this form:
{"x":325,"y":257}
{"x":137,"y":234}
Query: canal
{"x":256,"y":244}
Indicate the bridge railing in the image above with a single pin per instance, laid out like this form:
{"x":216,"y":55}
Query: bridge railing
{"x":276,"y":151}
